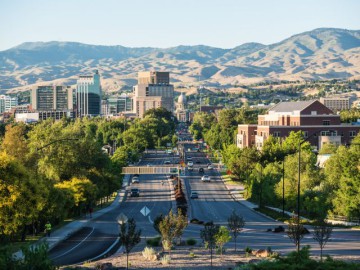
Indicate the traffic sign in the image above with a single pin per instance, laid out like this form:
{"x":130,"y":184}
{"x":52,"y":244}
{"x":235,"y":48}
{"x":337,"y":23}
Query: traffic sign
{"x":145,"y":211}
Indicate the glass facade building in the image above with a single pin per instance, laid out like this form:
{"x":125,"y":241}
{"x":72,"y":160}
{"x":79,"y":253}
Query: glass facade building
{"x":88,"y":95}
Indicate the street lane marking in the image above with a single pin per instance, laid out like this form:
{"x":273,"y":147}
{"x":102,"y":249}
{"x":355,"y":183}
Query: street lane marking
{"x":75,"y":246}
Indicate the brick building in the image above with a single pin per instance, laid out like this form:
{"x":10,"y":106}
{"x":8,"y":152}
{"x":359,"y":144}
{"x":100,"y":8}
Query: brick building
{"x":318,"y":123}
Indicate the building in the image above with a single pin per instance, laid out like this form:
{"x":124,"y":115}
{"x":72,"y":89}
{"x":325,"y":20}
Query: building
{"x":153,"y":91}
{"x":181,"y":111}
{"x":318,"y":123}
{"x":336,"y":103}
{"x":88,"y":95}
{"x":7,"y":103}
{"x":52,"y":98}
{"x":115,"y":105}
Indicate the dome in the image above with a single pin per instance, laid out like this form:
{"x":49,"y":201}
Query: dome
{"x":182,"y":98}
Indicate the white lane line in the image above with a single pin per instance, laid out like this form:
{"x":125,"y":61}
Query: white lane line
{"x":75,"y":246}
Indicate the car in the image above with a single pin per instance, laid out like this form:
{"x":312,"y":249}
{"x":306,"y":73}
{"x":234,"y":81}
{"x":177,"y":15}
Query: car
{"x":188,"y":158}
{"x":135,"y":180}
{"x":167,"y":162}
{"x":134,"y":192}
{"x":194,"y":195}
{"x":201,"y":170}
{"x":190,"y":163}
{"x":210,"y":167}
{"x":205,"y":178}
{"x":198,"y":161}
{"x":190,"y":168}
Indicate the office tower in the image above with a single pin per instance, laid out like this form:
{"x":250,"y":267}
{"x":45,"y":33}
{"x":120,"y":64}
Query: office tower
{"x":153,"y":90}
{"x":88,"y":95}
{"x":52,"y":98}
{"x":7,"y":103}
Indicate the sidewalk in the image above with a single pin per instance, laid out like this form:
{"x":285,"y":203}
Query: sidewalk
{"x":69,"y":229}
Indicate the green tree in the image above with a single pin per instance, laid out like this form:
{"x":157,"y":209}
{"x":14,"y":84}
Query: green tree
{"x":295,"y":231}
{"x":236,"y":224}
{"x":222,"y":237}
{"x":208,"y":235}
{"x":129,"y":237}
{"x":322,"y":233}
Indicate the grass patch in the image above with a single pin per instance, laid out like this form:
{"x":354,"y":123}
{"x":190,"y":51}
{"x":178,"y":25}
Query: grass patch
{"x":273,"y":214}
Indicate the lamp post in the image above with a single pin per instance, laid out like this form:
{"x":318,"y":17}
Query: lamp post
{"x":283,"y":188}
{"x":121,"y":219}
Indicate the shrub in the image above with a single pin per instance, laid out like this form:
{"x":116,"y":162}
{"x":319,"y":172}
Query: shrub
{"x":192,"y":255}
{"x":149,"y":254}
{"x":165,"y":260}
{"x":248,"y":249}
{"x":191,"y":242}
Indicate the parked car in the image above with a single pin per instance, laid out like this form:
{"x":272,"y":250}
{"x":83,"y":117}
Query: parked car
{"x":194,"y":195}
{"x":135,"y":180}
{"x":134,"y":192}
{"x":205,"y":178}
{"x":190,"y":163}
{"x":167,"y":162}
{"x":188,"y":158}
{"x":190,"y":168}
{"x":201,"y":170}
{"x":198,"y":161}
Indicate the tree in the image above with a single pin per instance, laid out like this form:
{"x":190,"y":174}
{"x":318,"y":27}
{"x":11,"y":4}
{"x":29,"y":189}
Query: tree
{"x":222,"y":237}
{"x":322,"y":233}
{"x":208,"y":236}
{"x":129,"y":237}
{"x":14,"y":142}
{"x":181,"y":224}
{"x":295,"y":231}
{"x":157,"y":221}
{"x":170,"y":227}
{"x":236,"y":224}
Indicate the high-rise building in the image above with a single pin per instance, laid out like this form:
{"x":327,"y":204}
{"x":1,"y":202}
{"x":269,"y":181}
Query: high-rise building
{"x":7,"y":103}
{"x":153,"y":90}
{"x":88,"y":95}
{"x":52,"y":98}
{"x":116,"y":104}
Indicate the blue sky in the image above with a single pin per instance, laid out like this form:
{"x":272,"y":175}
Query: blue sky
{"x":168,"y":23}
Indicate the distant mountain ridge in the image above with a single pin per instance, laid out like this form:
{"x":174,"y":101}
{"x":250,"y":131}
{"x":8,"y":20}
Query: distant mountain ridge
{"x":323,"y":53}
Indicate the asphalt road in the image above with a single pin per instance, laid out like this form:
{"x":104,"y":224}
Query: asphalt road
{"x":102,"y":232}
{"x":214,"y":204}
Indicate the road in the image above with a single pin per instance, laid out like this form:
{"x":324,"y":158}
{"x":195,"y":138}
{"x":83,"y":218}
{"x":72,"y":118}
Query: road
{"x":214,"y":204}
{"x":103,"y":231}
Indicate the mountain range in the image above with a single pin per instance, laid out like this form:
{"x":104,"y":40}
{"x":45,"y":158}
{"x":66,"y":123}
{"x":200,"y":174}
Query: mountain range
{"x":320,"y":54}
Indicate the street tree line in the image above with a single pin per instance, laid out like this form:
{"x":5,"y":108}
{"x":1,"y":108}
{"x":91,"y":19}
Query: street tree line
{"x":333,"y":190}
{"x":51,"y":171}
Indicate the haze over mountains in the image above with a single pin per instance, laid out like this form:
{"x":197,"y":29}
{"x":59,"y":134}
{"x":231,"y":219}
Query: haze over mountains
{"x":323,"y":53}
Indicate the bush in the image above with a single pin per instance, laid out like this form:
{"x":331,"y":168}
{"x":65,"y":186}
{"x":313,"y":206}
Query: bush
{"x":191,"y":242}
{"x":248,"y":250}
{"x":192,"y":255}
{"x":149,"y":254}
{"x":165,"y":260}
{"x":196,"y":221}
{"x":154,"y":242}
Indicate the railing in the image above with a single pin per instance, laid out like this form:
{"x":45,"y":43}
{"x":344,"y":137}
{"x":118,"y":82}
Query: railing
{"x":344,"y":220}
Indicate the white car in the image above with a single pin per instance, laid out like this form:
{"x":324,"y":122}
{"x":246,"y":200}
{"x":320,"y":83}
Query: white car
{"x":135,"y":180}
{"x":205,"y":178}
{"x":190,"y":163}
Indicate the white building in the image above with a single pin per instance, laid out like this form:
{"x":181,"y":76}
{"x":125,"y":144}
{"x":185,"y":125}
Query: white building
{"x":7,"y":103}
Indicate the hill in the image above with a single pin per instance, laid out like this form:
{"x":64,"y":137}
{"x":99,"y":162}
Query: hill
{"x":324,"y":53}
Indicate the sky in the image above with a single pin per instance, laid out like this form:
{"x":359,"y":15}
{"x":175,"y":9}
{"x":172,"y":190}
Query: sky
{"x":169,"y":23}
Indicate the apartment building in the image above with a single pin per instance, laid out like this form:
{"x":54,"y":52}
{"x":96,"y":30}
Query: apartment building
{"x":7,"y":103}
{"x":318,"y":123}
{"x":336,"y":103}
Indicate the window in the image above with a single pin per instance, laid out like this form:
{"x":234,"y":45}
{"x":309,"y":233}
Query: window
{"x":306,"y":134}
{"x":352,"y":133}
{"x":326,"y":122}
{"x":276,"y":134}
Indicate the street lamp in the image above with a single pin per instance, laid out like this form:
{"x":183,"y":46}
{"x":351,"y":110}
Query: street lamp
{"x":121,"y":219}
